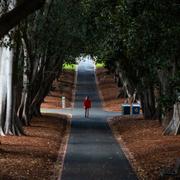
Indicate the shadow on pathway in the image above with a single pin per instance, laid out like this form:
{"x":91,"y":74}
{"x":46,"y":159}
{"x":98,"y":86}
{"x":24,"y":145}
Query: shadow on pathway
{"x":92,"y":152}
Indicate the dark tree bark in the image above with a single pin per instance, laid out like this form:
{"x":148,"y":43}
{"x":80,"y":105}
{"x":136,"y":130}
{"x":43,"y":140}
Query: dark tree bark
{"x":44,"y":89}
{"x":148,"y":104}
{"x":173,"y":127}
{"x":26,"y":94}
{"x":13,"y":17}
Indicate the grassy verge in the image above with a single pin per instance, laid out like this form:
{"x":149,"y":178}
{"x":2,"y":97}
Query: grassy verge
{"x":100,"y":65}
{"x":69,"y":66}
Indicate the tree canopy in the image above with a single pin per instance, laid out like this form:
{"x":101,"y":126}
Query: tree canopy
{"x":138,"y":40}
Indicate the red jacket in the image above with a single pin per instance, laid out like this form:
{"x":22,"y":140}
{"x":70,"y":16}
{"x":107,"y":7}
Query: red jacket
{"x":87,"y":103}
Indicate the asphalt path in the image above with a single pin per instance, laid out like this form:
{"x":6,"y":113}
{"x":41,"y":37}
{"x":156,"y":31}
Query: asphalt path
{"x":92,"y":151}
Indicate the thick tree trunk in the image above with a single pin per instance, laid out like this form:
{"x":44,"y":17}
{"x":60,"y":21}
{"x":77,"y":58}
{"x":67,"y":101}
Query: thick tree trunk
{"x":148,"y":104}
{"x":9,"y":107}
{"x":8,"y":120}
{"x":42,"y":92}
{"x":125,"y":88}
{"x":2,"y":90}
{"x":16,"y":126}
{"x":173,"y":127}
{"x":23,"y":112}
{"x":163,"y":76}
{"x":45,"y":85}
{"x":167,"y":116}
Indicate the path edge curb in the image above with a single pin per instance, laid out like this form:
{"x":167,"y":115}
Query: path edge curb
{"x":129,"y":155}
{"x":62,"y":149}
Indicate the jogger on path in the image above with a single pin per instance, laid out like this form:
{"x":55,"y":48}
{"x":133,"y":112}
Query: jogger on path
{"x":87,"y":106}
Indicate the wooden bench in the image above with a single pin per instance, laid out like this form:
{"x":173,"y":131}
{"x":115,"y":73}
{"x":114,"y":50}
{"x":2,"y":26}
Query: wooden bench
{"x":175,"y":172}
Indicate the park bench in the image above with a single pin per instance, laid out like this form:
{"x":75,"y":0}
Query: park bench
{"x":174,"y":172}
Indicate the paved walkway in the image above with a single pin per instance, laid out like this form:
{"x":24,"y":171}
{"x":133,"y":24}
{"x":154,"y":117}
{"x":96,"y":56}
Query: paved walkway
{"x":92,"y":152}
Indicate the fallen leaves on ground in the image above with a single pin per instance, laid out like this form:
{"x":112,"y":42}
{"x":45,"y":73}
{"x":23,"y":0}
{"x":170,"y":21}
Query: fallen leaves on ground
{"x":39,"y":154}
{"x":151,"y":151}
{"x":142,"y":141}
{"x":108,"y":90}
{"x":34,"y":156}
{"x":64,"y":86}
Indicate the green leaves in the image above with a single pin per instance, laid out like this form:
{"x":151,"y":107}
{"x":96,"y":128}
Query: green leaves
{"x":142,"y":36}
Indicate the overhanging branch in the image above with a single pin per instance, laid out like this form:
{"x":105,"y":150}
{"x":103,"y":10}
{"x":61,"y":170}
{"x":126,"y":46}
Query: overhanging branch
{"x":13,"y":17}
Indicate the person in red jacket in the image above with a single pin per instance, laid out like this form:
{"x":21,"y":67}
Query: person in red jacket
{"x":87,"y":106}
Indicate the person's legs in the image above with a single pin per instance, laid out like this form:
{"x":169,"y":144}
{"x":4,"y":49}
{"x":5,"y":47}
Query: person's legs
{"x":87,"y":112}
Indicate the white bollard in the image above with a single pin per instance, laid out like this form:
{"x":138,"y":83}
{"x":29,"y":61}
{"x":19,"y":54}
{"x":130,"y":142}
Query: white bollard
{"x":63,"y":102}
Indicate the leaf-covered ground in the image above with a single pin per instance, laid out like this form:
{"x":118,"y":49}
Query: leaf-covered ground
{"x":64,"y":86}
{"x":142,"y":141}
{"x":34,"y":156}
{"x":108,"y":90}
{"x":39,"y":154}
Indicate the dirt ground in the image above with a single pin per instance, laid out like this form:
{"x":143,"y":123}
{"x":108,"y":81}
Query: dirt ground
{"x":109,"y":90}
{"x":64,"y":86}
{"x":34,"y":156}
{"x":39,"y":154}
{"x":142,"y":141}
